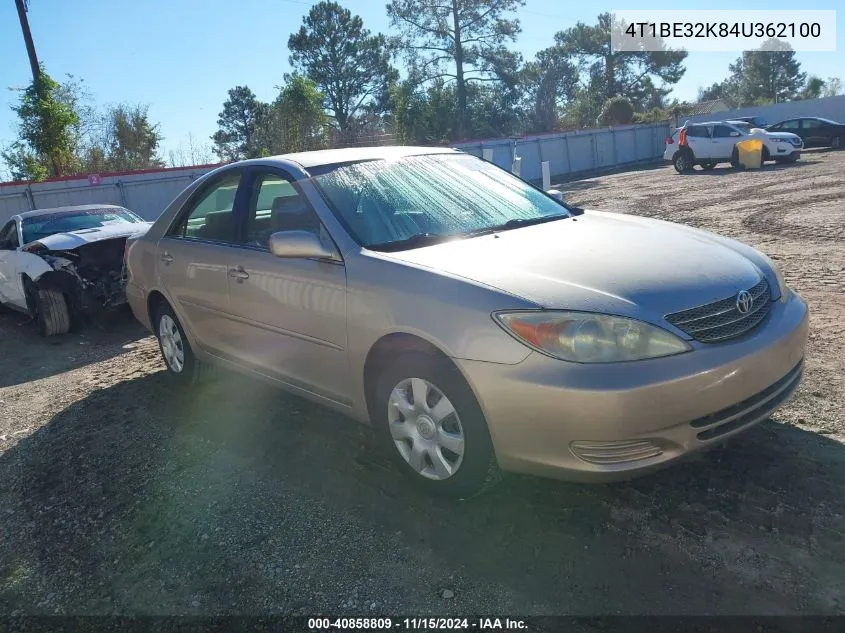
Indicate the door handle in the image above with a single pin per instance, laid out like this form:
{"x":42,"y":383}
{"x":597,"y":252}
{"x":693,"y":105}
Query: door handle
{"x":238,"y":273}
{"x":166,"y":257}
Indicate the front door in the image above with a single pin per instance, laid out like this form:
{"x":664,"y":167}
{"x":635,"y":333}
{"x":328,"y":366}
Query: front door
{"x":793,"y":126}
{"x":724,"y":140}
{"x":813,"y":133}
{"x":193,"y":262}
{"x":11,"y":289}
{"x":290,"y":314}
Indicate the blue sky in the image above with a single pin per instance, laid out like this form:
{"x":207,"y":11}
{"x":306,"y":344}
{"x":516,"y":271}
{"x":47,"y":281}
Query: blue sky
{"x":181,"y":56}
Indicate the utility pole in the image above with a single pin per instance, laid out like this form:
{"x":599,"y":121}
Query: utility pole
{"x":27,"y":37}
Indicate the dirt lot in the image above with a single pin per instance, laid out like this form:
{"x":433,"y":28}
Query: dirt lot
{"x":120,"y":495}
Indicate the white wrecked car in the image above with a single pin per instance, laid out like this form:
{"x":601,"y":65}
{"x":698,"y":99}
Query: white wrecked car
{"x":64,"y":264}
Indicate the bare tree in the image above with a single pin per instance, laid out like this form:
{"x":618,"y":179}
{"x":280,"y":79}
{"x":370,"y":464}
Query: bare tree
{"x":190,"y":152}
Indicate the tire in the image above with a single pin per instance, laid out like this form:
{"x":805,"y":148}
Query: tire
{"x":836,"y":142}
{"x":735,"y":159}
{"x":766,"y":156}
{"x":175,"y":349}
{"x":683,"y":161}
{"x":708,"y":166}
{"x":48,"y":308}
{"x":441,"y":468}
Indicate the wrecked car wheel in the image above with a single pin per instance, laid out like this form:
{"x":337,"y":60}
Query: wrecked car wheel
{"x":52,"y":313}
{"x":48,"y":308}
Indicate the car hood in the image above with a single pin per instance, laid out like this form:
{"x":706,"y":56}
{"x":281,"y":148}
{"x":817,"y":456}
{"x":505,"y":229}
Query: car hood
{"x":787,"y":135}
{"x":75,"y":239}
{"x":599,"y":262}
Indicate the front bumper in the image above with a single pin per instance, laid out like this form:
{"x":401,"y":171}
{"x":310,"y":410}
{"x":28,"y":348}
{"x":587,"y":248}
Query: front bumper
{"x":786,"y":149}
{"x":616,"y":421}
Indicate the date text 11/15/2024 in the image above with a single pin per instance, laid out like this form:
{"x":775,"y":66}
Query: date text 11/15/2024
{"x":415,"y":624}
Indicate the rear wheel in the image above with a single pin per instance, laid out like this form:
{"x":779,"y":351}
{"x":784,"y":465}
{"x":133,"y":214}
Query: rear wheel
{"x":175,"y":348}
{"x":431,"y":424}
{"x":683,"y":161}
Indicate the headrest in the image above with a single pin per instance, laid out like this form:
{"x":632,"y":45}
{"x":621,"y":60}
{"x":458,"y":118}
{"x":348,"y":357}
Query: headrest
{"x":218,"y":222}
{"x":288,"y":204}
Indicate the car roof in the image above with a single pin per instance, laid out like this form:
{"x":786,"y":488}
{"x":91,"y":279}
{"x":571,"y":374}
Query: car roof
{"x":322,"y":157}
{"x":68,"y":209}
{"x":722,"y":122}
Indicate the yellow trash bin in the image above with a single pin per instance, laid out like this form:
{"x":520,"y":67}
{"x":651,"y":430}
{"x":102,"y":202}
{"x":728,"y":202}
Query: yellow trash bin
{"x":750,"y":153}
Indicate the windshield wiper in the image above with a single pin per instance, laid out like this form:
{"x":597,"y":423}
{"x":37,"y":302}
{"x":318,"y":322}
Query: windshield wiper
{"x":518,"y":223}
{"x":414,"y":241}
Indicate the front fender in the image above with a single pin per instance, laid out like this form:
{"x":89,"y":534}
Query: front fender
{"x":32,"y":265}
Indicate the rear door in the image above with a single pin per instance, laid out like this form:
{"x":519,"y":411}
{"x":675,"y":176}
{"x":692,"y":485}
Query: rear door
{"x":698,"y":138}
{"x":724,"y":139}
{"x":193,"y":261}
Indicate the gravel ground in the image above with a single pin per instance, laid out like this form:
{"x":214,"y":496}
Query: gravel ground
{"x":119,"y":494}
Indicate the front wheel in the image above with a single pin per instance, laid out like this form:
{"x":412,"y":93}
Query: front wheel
{"x":429,"y":421}
{"x":735,"y":159}
{"x":48,"y":308}
{"x":708,"y":166}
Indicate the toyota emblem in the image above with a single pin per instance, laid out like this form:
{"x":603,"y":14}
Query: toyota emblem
{"x":744,"y":301}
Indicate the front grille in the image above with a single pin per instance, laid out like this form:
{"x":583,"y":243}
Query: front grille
{"x":721,"y":320}
{"x":750,"y":410}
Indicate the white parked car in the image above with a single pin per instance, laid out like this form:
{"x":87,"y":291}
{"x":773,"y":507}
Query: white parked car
{"x":62,"y":264}
{"x":713,"y":142}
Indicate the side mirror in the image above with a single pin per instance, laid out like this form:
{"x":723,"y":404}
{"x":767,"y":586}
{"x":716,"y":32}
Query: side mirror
{"x":557,"y":194}
{"x":300,"y":245}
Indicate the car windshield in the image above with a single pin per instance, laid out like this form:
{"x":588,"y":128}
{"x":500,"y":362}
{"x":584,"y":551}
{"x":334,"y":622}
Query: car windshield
{"x":414,"y":201}
{"x":41,"y":226}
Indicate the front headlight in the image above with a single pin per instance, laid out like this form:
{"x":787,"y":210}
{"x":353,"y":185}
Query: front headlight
{"x":585,"y":337}
{"x":783,"y":289}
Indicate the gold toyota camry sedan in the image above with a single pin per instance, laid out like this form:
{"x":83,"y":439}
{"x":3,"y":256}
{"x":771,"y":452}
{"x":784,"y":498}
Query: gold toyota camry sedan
{"x":479,"y":324}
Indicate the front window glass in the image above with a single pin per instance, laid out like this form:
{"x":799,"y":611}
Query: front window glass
{"x":387,"y":204}
{"x":40,"y":226}
{"x":276,"y":206}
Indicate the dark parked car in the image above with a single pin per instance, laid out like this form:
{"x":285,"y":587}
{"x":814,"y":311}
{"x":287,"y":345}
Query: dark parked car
{"x":814,"y":131}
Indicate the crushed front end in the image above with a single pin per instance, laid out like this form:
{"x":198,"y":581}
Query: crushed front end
{"x":92,"y":276}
